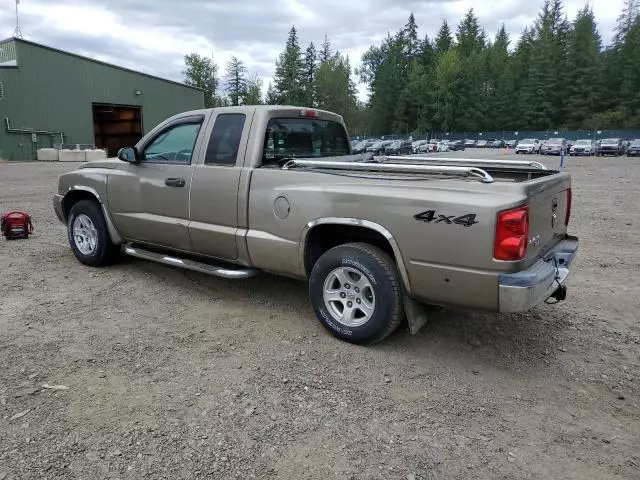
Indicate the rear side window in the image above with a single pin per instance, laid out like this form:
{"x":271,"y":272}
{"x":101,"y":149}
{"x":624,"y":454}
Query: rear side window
{"x":225,"y":139}
{"x":288,"y":138}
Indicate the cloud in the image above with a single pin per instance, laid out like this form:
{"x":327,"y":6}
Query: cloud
{"x":154,"y":35}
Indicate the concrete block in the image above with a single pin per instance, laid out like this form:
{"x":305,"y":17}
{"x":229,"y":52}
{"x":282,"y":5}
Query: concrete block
{"x":95,"y":155}
{"x":72,"y":156}
{"x":47,"y":154}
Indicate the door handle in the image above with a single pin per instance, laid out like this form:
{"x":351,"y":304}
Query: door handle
{"x":175,"y":182}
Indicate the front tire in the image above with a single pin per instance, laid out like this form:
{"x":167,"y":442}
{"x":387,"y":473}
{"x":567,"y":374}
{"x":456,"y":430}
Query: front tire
{"x":356,"y":293}
{"x":88,"y":235}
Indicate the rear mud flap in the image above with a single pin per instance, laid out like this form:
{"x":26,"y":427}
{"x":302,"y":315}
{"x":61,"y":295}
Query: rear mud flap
{"x":416,"y":312}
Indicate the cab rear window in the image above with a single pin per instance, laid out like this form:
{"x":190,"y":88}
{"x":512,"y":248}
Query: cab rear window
{"x":289,"y":138}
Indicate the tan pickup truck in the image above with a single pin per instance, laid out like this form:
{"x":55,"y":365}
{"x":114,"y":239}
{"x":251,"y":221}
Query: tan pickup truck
{"x":234,"y":191}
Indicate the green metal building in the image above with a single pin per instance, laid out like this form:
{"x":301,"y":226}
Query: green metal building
{"x":50,"y":97}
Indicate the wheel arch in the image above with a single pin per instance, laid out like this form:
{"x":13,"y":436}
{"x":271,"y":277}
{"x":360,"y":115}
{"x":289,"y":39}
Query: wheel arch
{"x":329,"y":232}
{"x":81,"y":192}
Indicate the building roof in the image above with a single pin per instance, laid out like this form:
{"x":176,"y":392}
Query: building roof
{"x":93,"y":60}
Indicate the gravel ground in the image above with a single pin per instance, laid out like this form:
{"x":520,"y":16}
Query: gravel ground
{"x":174,"y":375}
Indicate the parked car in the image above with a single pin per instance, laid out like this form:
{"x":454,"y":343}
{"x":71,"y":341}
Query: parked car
{"x":610,"y":146}
{"x":433,"y":146}
{"x":398,"y":147}
{"x":528,"y":145}
{"x":442,"y":146}
{"x":468,"y":143}
{"x":425,"y":147}
{"x":634,"y":148}
{"x":416,"y":145}
{"x":481,"y":144}
{"x":583,"y":147}
{"x":511,"y":143}
{"x":362,"y":145}
{"x":286,"y":206}
{"x":554,"y":146}
{"x":498,"y":144}
{"x":456,"y":145}
{"x":378,"y":147}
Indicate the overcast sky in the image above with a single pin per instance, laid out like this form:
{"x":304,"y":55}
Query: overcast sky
{"x":153,"y":36}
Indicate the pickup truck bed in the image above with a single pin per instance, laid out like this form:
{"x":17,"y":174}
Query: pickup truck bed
{"x":234,"y":191}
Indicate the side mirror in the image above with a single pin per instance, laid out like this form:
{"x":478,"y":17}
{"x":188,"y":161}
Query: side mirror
{"x":128,"y":154}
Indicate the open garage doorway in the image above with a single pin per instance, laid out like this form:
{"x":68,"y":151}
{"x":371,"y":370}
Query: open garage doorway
{"x":116,"y":126}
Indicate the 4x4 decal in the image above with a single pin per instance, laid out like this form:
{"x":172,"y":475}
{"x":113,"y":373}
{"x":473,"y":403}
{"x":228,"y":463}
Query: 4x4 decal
{"x":430,"y":216}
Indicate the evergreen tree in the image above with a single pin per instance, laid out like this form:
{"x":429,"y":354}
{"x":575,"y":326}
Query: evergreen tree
{"x":325,"y":50}
{"x":334,"y":89}
{"x":630,"y":81}
{"x":415,"y":102}
{"x":626,"y":20}
{"x":545,"y":107}
{"x":412,"y":43}
{"x":447,"y":80}
{"x":288,"y":78}
{"x":584,"y":86}
{"x":372,"y":60}
{"x":309,"y":75}
{"x":520,"y":70}
{"x":272,"y":96}
{"x":500,"y":84}
{"x":236,"y":81}
{"x":388,"y":82}
{"x":201,"y":72}
{"x":474,"y":85}
{"x":444,"y":40}
{"x":471,"y":38}
{"x":253,"y":91}
{"x":471,"y":102}
{"x":427,"y":53}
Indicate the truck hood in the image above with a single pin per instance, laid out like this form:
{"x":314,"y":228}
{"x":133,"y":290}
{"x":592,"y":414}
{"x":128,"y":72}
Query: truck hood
{"x":110,"y":163}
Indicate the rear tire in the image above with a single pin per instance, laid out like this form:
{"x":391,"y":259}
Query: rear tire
{"x":356,"y":293}
{"x":88,"y":235}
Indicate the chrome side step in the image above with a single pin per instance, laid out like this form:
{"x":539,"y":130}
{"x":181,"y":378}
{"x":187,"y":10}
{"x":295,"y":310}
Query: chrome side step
{"x":234,"y":274}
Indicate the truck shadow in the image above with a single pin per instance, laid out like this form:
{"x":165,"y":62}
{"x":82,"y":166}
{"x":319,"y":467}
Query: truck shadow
{"x":529,"y":340}
{"x":512,"y":341}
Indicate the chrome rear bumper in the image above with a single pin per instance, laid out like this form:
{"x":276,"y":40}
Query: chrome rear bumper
{"x":523,"y":290}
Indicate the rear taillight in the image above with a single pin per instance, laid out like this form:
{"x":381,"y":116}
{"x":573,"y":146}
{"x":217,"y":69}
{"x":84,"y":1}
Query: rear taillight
{"x":568,"y":215}
{"x":512,"y":234}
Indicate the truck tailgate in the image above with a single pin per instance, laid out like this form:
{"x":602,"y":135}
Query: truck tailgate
{"x":549,"y":211}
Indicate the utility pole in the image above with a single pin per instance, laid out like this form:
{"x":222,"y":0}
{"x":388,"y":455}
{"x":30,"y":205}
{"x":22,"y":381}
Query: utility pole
{"x":17,"y":33}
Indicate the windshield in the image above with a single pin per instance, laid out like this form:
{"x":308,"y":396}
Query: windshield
{"x":610,"y":141}
{"x":583,"y":142}
{"x":554,"y":141}
{"x":395,"y":144}
{"x":635,"y":143}
{"x":303,"y":138}
{"x":527,"y":140}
